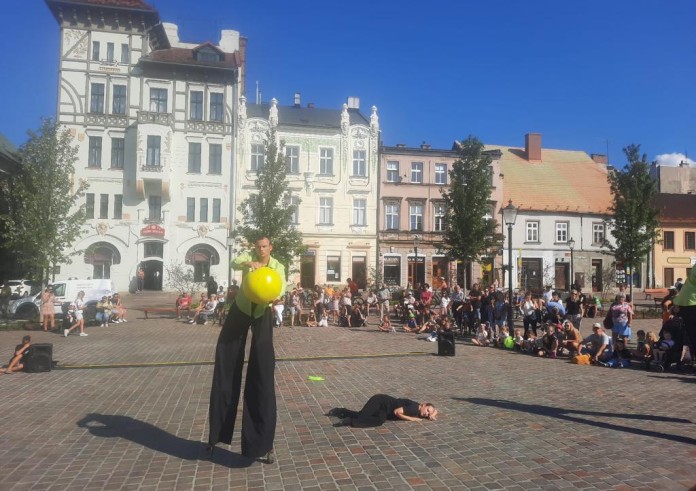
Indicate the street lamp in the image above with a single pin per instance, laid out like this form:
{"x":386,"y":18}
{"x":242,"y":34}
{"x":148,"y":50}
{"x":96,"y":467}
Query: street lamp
{"x":416,"y":241}
{"x":571,"y":244}
{"x":509,"y":217}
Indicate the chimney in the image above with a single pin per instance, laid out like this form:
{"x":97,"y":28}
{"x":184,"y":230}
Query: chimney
{"x":354,"y":102}
{"x":532,"y":146}
{"x":400,"y":145}
{"x":298,"y":101}
{"x":172,"y":32}
{"x":425,"y":146}
{"x":229,"y":40}
{"x":599,"y":158}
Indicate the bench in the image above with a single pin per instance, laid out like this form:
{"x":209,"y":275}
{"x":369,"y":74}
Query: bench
{"x":655,"y":294}
{"x":165,"y":310}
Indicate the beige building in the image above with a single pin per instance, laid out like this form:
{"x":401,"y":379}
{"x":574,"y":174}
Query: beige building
{"x":674,"y":257}
{"x":332,"y":173}
{"x":674,"y":180}
{"x":411,"y":212}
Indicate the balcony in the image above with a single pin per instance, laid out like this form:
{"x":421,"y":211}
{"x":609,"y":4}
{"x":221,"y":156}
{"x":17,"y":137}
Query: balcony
{"x":208,"y":127}
{"x":108,"y":120}
{"x":155,"y":178}
{"x":149,"y":117}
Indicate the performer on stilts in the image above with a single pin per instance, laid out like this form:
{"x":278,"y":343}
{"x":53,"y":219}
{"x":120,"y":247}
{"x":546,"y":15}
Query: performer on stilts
{"x":259,"y":417}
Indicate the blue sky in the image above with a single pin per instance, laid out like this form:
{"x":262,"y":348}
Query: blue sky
{"x":580,"y":72}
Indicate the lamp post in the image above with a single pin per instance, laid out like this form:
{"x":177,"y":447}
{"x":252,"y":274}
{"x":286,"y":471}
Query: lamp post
{"x":571,"y":244}
{"x":416,"y":240}
{"x":509,"y":217}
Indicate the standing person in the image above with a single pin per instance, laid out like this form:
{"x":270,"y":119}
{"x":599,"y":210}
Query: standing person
{"x":685,"y":303}
{"x":212,"y":286}
{"x":259,"y":416}
{"x":529,"y":315}
{"x":353,"y":286}
{"x":47,"y":309}
{"x":384,"y":295}
{"x":574,"y":309}
{"x":141,"y":278}
{"x":78,"y":304}
{"x":621,"y":316}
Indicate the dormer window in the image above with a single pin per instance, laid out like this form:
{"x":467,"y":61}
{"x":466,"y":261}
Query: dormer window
{"x":208,"y":54}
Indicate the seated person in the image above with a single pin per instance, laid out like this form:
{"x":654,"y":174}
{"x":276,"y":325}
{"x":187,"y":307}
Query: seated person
{"x":206,"y":308}
{"x":571,"y":338}
{"x":220,"y":308}
{"x":597,"y":345}
{"x":382,"y":407}
{"x":549,"y":343}
{"x":662,"y":347}
{"x":481,"y":338}
{"x":20,"y":353}
{"x":356,"y":319}
{"x":386,"y":325}
{"x":118,"y":312}
{"x":499,"y":342}
{"x":311,"y":319}
{"x":620,"y":357}
{"x":104,"y":308}
{"x":183,"y":303}
{"x":411,"y":324}
{"x":644,"y":349}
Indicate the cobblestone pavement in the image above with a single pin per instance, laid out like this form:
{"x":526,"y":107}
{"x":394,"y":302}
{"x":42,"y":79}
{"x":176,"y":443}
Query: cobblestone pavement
{"x":508,"y":421}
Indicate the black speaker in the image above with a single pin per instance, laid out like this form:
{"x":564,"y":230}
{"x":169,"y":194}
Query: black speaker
{"x":40,"y":358}
{"x":445,"y":343}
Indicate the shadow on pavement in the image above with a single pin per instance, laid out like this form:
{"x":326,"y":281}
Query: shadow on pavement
{"x":567,"y":415}
{"x":147,"y":435}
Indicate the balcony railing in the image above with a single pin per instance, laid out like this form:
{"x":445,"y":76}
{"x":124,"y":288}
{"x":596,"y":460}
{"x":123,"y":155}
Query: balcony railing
{"x":149,"y":117}
{"x":106,"y":119}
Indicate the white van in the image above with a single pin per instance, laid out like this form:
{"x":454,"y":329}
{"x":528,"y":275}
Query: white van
{"x":67,"y":290}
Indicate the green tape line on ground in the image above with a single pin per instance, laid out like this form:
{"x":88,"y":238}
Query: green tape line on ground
{"x":210,"y":362}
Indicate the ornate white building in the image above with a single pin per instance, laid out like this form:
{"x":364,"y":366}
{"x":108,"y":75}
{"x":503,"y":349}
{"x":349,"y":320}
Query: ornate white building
{"x":152,"y":117}
{"x":332,"y":158}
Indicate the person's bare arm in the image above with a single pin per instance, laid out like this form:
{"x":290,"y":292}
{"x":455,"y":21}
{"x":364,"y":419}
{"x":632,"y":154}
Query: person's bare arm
{"x":399,"y":413}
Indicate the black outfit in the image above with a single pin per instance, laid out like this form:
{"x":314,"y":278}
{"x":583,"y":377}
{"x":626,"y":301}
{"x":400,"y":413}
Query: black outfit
{"x":25,"y":354}
{"x":376,"y":411}
{"x":573,"y":307}
{"x":259,"y":418}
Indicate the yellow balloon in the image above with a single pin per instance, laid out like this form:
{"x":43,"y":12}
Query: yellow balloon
{"x":262,"y":285}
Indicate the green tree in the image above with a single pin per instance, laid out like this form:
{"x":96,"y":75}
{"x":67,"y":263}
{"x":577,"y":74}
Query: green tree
{"x":268,"y":212}
{"x":45,"y":219}
{"x":634,"y":222}
{"x":468,"y":233}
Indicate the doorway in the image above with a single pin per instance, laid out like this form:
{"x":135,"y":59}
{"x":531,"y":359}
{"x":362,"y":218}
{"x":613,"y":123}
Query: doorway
{"x":359,"y":271}
{"x":562,"y":278}
{"x":153,"y":274}
{"x":597,"y":285}
{"x":416,"y":270}
{"x":307,"y":270}
{"x":531,"y":275}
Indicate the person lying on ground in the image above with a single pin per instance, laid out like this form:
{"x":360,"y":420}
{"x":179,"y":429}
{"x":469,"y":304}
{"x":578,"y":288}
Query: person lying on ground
{"x":380,"y":408}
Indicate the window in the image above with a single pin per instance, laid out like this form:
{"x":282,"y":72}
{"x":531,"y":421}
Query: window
{"x":125,"y":53}
{"x":89,"y":205}
{"x":294,"y":203}
{"x":155,"y":208}
{"x":204,"y":210}
{"x":158,"y":100}
{"x":359,"y":163}
{"x":196,"y":106}
{"x":689,"y":241}
{"x":326,"y":161}
{"x":96,"y":101}
{"x":194,"y":158}
{"x":326,"y":211}
{"x":258,"y":157}
{"x":292,"y":159}
{"x":153,"y":249}
{"x":153,"y":150}
{"x":207,"y":54}
{"x":103,"y":206}
{"x":417,"y":172}
{"x":393,"y":172}
{"x":95,"y":151}
{"x":215,"y":158}
{"x":532,"y":232}
{"x":561,"y":232}
{"x":119,"y":102}
{"x":216,"y":107}
{"x":95,"y":50}
{"x":668,"y":241}
{"x":118,"y":152}
{"x":216,"y":210}
{"x":391,"y":214}
{"x":118,"y":206}
{"x":598,"y":233}
{"x":440,"y":173}
{"x":109,"y":51}
{"x":415,"y":212}
{"x":439,"y":216}
{"x":333,"y":268}
{"x":190,"y":209}
{"x":668,"y":277}
{"x":360,"y":212}
{"x":392,"y":270}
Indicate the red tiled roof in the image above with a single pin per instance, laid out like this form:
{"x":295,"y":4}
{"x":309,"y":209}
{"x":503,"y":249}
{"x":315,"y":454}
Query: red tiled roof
{"x":129,"y":4}
{"x":676,"y":207}
{"x":186,"y":56}
{"x":563,"y":181}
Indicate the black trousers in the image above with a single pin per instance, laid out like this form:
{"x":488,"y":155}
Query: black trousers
{"x":259,"y":418}
{"x":373,"y":413}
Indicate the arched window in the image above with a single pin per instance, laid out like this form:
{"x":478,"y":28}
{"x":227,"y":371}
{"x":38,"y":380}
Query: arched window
{"x":101,"y":256}
{"x":201,"y":257}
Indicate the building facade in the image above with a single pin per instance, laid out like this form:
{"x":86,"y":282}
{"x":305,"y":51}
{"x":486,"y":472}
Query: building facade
{"x":152,"y":117}
{"x":411,"y":217}
{"x":560,"y":234}
{"x":675,"y":255}
{"x":332,"y":173}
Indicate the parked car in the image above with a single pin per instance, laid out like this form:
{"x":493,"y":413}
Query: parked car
{"x":30,"y":307}
{"x":22,"y":288}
